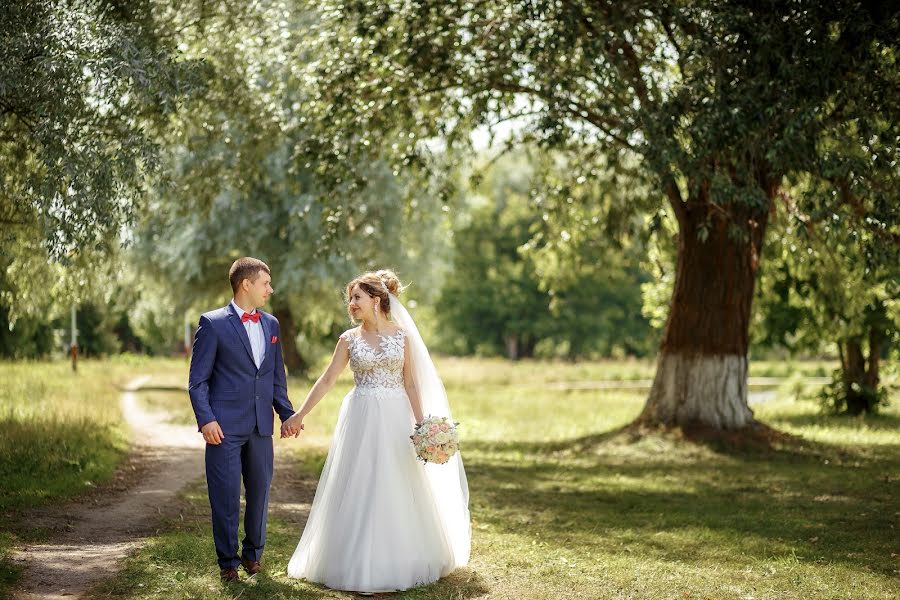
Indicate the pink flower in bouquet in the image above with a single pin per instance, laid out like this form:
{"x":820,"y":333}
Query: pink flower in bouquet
{"x":435,"y":440}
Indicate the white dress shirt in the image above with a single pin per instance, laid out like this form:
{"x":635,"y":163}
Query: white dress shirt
{"x":255,"y":333}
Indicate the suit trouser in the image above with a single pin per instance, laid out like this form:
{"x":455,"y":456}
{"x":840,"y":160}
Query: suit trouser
{"x":249,"y":456}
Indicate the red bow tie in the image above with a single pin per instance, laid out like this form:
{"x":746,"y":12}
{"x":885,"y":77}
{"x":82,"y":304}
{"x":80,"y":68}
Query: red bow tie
{"x":248,"y":317}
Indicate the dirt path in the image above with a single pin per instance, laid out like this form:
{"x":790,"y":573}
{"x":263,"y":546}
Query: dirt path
{"x":96,"y":534}
{"x":292,"y":492}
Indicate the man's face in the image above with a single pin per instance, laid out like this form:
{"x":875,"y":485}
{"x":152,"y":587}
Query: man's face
{"x":259,"y":290}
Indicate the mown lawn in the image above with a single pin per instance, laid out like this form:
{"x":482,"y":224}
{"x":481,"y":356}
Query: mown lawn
{"x":567,"y":504}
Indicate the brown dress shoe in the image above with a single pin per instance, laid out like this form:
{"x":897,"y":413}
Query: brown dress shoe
{"x":229,"y":575}
{"x":251,"y":566}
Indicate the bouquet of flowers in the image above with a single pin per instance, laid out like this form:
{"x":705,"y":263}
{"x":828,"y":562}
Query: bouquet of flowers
{"x":435,"y":440}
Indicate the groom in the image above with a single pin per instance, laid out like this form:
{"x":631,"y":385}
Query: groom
{"x":236,"y":379}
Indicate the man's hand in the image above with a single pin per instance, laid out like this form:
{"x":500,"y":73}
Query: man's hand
{"x":292,"y":427}
{"x":212,"y":433}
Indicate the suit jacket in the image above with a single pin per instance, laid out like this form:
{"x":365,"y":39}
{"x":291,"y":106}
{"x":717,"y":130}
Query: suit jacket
{"x":224,"y":383}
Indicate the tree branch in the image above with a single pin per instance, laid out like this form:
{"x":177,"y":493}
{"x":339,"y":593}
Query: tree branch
{"x":855,"y":203}
{"x":675,"y":200}
{"x":633,"y":71}
{"x":509,"y":146}
{"x":671,"y":35}
{"x":571,"y":107}
{"x":10,"y":110}
{"x":527,"y":113}
{"x":178,"y":30}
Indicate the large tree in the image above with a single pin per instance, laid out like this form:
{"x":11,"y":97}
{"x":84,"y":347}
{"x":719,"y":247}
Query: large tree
{"x":80,"y":83}
{"x":233,"y":188}
{"x":718,"y":100}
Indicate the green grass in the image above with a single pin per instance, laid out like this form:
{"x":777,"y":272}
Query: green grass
{"x":789,"y":368}
{"x":518,"y":389}
{"x":177,"y":563}
{"x":567,"y":505}
{"x":497,"y":371}
{"x":61,"y":434}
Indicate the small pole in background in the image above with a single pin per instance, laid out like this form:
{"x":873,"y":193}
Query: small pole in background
{"x":74,"y":344}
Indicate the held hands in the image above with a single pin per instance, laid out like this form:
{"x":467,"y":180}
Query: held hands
{"x":292,"y":427}
{"x":212,"y":433}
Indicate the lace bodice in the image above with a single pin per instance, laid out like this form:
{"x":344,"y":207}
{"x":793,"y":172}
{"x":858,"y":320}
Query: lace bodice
{"x":380,"y":367}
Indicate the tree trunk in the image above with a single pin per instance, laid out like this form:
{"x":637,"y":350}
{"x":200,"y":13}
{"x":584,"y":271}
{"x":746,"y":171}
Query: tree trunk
{"x":701,"y":373}
{"x":526,"y":348}
{"x":876,"y":337}
{"x":860,"y":376}
{"x":512,"y":347}
{"x":854,"y":378}
{"x":293,"y":362}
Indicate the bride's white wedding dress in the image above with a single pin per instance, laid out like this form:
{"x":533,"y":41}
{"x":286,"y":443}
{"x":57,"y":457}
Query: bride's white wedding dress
{"x":375,"y":524}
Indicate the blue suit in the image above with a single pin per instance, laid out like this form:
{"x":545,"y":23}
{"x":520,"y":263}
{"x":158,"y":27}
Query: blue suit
{"x":226,"y":386}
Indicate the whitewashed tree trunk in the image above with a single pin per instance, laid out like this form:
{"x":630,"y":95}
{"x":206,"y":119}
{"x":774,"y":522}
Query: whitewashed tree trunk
{"x":707,"y":389}
{"x":701,"y":374}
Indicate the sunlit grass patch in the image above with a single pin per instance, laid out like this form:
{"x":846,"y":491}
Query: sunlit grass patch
{"x":61,"y":434}
{"x":566,"y":503}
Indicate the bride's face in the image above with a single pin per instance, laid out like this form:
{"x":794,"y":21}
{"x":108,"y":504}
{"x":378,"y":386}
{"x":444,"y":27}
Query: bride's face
{"x":360,"y":303}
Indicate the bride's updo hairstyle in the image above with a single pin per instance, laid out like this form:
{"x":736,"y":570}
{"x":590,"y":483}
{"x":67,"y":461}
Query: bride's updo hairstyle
{"x":374,"y":283}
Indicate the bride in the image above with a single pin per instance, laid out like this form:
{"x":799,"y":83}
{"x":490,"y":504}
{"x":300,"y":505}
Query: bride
{"x":382,"y":521}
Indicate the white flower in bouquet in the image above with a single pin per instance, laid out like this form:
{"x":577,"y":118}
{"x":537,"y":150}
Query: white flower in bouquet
{"x":435,"y":439}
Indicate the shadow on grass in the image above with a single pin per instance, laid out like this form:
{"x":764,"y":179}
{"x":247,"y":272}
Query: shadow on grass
{"x":761,"y":440}
{"x":878,"y":422}
{"x":460,"y":584}
{"x":181,"y":564}
{"x":9,"y":572}
{"x":665,"y":496}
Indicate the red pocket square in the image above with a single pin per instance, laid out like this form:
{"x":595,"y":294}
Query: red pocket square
{"x":274,"y":338}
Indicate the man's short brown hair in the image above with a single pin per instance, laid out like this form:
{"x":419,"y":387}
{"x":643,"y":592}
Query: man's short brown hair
{"x":246,"y":268}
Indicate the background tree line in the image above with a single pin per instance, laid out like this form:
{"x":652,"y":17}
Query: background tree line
{"x":669,"y":166}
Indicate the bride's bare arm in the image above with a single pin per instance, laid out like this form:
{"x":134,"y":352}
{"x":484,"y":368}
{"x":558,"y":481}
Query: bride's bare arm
{"x":410,"y":384}
{"x":324,"y":383}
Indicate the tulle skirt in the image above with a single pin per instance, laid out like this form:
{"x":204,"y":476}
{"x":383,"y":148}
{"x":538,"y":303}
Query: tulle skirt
{"x":374,"y":525}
